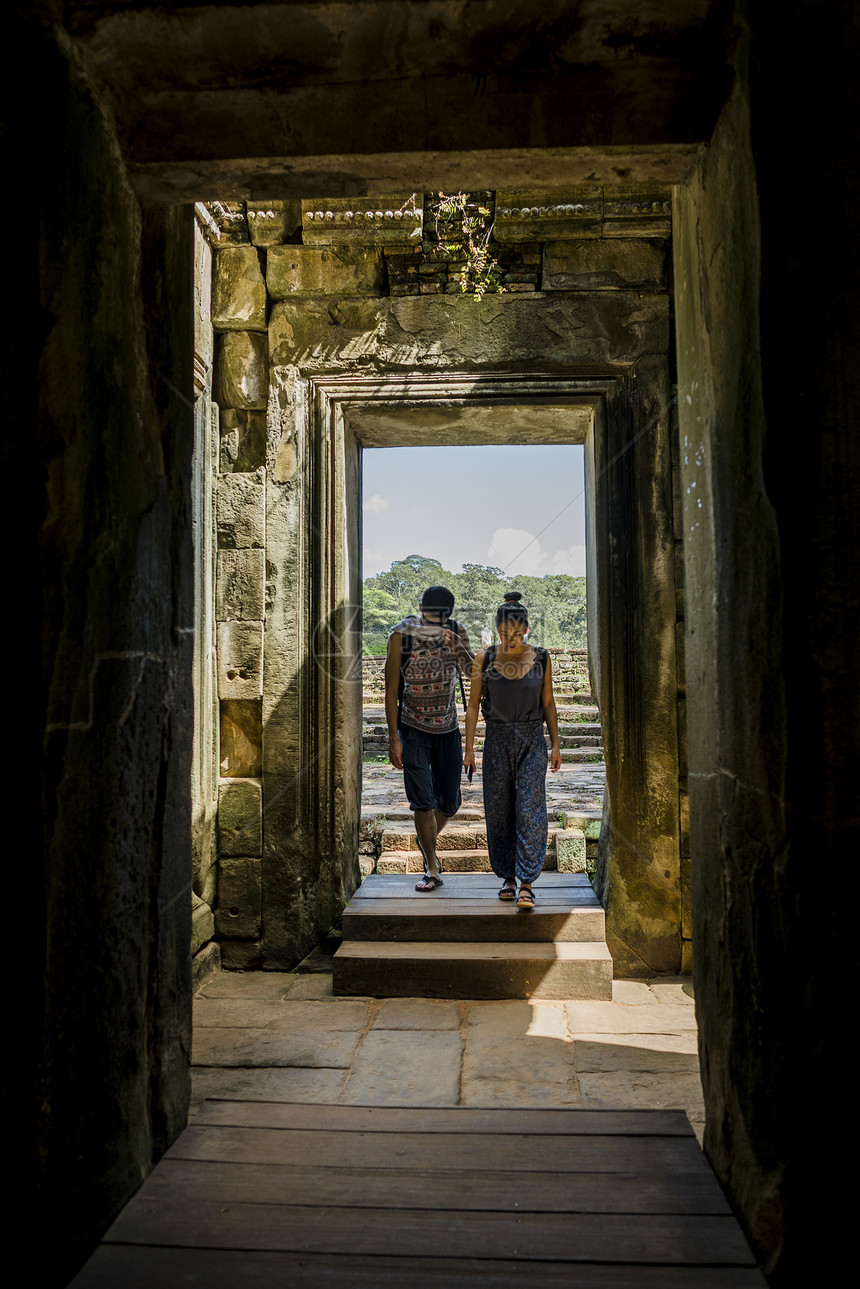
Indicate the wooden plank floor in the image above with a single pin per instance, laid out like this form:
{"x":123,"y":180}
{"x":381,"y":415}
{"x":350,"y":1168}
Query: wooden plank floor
{"x":265,"y":1193}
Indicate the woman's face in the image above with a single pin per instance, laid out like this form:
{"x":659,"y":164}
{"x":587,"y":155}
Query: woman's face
{"x":512,"y":634}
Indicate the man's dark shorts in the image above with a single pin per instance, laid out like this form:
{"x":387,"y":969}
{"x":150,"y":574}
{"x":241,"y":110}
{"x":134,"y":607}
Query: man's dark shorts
{"x":432,"y":765}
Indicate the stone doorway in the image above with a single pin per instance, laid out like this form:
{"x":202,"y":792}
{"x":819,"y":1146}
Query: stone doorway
{"x":348,"y":361}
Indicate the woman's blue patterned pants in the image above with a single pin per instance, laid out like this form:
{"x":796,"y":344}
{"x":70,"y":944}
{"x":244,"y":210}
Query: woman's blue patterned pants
{"x":514,"y":774}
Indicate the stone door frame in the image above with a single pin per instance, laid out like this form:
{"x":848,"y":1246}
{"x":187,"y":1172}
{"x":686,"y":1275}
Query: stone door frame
{"x":335,"y":416}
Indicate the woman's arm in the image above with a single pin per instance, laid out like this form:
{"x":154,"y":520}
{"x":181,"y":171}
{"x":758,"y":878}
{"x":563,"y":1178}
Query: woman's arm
{"x":550,"y":715}
{"x":473,"y":710}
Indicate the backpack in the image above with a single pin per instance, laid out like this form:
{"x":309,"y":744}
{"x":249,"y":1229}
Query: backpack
{"x":406,"y":654}
{"x":489,"y":659}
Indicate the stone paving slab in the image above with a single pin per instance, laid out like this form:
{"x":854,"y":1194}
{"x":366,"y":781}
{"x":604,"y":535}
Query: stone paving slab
{"x":313,"y":1047}
{"x":249,"y":984}
{"x":678,"y":989}
{"x":346,"y":1014}
{"x":612,"y":1018}
{"x":281,"y":1084}
{"x":637,"y":1053}
{"x":518,"y":1054}
{"x":396,"y":1067}
{"x":417,"y":1013}
{"x":618,"y":1090}
{"x":241,"y":1013}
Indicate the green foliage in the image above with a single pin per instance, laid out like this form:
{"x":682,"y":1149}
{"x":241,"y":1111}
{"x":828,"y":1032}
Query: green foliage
{"x":464,"y":229}
{"x":556,"y":602}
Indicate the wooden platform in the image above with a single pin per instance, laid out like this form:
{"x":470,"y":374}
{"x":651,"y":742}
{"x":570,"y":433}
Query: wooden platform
{"x":462,"y":941}
{"x":260,"y":1193}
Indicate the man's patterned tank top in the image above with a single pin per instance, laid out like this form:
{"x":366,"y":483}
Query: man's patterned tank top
{"x":429,"y":689}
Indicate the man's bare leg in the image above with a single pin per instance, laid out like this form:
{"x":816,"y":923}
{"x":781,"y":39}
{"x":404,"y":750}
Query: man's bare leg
{"x":427,"y":830}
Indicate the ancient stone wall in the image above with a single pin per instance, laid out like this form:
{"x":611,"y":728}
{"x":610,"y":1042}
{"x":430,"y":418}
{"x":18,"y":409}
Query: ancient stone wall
{"x":114,"y":433}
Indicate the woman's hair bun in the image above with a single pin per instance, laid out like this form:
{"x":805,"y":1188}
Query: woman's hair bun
{"x":512,"y":597}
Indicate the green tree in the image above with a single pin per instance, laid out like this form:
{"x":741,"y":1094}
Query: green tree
{"x":556,"y":602}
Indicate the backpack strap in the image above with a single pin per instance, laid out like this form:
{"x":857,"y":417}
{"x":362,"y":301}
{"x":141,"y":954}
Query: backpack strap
{"x":489,"y":659}
{"x":405,"y":655}
{"x":454,"y":626}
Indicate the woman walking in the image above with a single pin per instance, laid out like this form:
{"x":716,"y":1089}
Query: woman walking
{"x":512,"y":685}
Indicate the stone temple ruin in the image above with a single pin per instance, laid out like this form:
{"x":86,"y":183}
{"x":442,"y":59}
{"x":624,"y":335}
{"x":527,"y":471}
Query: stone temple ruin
{"x":189,"y":473}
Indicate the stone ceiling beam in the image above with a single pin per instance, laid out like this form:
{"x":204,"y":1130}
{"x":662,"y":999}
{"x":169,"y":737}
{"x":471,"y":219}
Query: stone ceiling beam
{"x":334,"y":98}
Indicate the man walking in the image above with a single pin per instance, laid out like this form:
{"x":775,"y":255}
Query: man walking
{"x":424,"y":741}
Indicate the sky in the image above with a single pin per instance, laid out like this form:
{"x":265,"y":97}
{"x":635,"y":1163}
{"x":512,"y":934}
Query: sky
{"x":521,"y":509}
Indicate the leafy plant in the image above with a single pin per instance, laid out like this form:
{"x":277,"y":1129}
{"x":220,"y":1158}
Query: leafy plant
{"x":464,"y":229}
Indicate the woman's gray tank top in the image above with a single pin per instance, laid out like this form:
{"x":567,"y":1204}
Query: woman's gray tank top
{"x":515,"y":700}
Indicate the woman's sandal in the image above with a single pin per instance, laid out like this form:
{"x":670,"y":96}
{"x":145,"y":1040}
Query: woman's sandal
{"x":508,"y":893}
{"x":525,"y":899}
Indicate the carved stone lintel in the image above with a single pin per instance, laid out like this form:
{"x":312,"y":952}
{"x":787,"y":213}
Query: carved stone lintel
{"x":576,"y":213}
{"x":387,"y":220}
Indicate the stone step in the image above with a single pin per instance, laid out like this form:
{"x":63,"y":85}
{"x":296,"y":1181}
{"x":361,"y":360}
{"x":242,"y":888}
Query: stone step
{"x":392,"y":862}
{"x":477,"y":860}
{"x":481,"y":970}
{"x":467,"y":908}
{"x":456,"y":837}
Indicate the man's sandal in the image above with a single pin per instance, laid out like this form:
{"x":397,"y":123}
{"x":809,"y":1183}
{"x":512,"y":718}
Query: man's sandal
{"x":508,"y":893}
{"x":525,"y":899}
{"x":422,"y":886}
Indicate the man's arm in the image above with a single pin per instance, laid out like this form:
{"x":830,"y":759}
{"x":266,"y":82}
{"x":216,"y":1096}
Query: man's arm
{"x":392,"y":685}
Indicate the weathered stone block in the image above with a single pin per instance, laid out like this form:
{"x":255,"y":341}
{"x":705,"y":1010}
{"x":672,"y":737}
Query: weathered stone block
{"x":202,"y":923}
{"x":570,"y":850}
{"x":241,"y":955}
{"x":588,"y":326}
{"x":391,"y":219}
{"x":240,"y":585}
{"x":241,"y":510}
{"x":243,"y":440}
{"x":241,"y":755}
{"x":205,"y":964}
{"x":240,"y":817}
{"x":599,"y":264}
{"x":339,"y":270}
{"x":238,"y":290}
{"x":242,"y":370}
{"x":272,"y":222}
{"x":240,"y":660}
{"x":238,"y":913}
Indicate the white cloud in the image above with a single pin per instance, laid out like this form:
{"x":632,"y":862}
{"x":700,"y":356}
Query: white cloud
{"x":570,"y":561}
{"x":375,"y":505}
{"x":518,"y":551}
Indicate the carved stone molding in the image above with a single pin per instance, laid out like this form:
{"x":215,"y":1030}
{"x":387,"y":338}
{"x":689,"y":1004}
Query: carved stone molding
{"x":229,"y":217}
{"x":271,"y":222}
{"x":637,"y":212}
{"x":524,"y":215}
{"x":389,"y":220}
